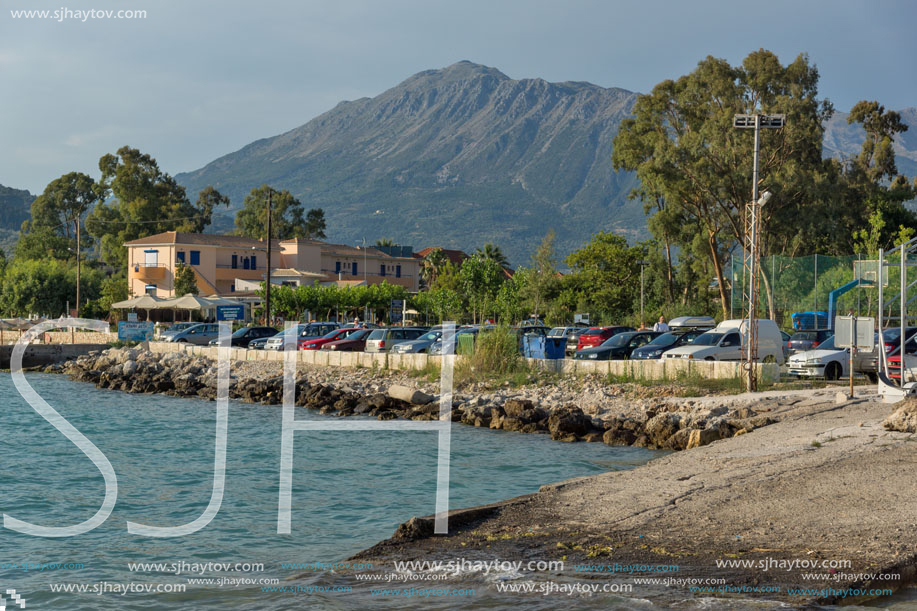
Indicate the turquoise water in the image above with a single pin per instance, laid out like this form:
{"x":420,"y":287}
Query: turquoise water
{"x":350,"y":491}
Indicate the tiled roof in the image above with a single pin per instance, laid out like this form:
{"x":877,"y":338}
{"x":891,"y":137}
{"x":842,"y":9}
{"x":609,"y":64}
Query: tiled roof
{"x":197,"y":239}
{"x":455,"y":256}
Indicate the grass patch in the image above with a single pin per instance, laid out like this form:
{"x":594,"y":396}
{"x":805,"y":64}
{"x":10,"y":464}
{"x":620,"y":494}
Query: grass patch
{"x":430,"y":372}
{"x":497,"y":362}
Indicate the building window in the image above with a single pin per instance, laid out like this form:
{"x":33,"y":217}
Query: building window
{"x":150,"y":258}
{"x":180,"y":255}
{"x":150,"y":289}
{"x":232,"y":288}
{"x":245,"y":263}
{"x":382,"y":270}
{"x":254,"y":262}
{"x":337,"y":267}
{"x":397,"y":271}
{"x":354,"y":268}
{"x":195,"y":257}
{"x":235,"y":261}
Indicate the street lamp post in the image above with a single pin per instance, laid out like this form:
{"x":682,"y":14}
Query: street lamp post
{"x":267,"y":287}
{"x":642,"y":265}
{"x":752,"y":238}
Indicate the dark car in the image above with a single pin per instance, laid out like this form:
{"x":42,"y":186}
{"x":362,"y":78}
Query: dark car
{"x":807,"y":340}
{"x":242,"y":337}
{"x":666,"y":341}
{"x":594,"y":336}
{"x":312,"y":330}
{"x":355,"y":342}
{"x":618,"y":346}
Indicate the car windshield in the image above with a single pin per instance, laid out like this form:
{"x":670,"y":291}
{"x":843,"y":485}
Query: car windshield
{"x":241,"y":332}
{"x":616,"y":341}
{"x":707,"y":339}
{"x":377,"y":334}
{"x":809,"y":336}
{"x":361,"y":334}
{"x":432,"y":336}
{"x":663,"y":340}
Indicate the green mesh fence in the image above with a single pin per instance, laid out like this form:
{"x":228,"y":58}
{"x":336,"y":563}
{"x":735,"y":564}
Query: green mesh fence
{"x":804,"y":284}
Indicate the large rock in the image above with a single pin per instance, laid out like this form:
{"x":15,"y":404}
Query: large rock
{"x":701,"y":437}
{"x":904,"y":418}
{"x":568,"y":421}
{"x":409,"y":395}
{"x":659,"y":428}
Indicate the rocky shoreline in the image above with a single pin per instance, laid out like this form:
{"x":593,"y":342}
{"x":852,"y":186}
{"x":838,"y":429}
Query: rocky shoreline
{"x":568,"y":410}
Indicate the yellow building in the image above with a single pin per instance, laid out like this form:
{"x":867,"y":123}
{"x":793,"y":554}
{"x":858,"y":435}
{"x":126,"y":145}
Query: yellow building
{"x":219,"y":261}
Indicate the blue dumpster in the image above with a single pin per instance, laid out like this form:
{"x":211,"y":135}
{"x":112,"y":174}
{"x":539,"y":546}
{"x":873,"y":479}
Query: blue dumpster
{"x":533,"y":346}
{"x":554,"y":347}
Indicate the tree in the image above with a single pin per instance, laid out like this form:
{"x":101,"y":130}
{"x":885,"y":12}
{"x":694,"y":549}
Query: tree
{"x":493,"y":252}
{"x":185,"y":280}
{"x":542,"y":277}
{"x":385,"y":242}
{"x":432,"y":265}
{"x":146,"y":201}
{"x":56,"y":214}
{"x":43,"y":287}
{"x":481,"y":279}
{"x":286,"y":215}
{"x":315,"y":224}
{"x":606,"y":273}
{"x":683,"y":147}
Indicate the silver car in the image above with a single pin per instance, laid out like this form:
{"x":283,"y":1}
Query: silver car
{"x":176,"y":328}
{"x":382,"y":340}
{"x":200,"y":334}
{"x":312,"y":330}
{"x":421,"y":344}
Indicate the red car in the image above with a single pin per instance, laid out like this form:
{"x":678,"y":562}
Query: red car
{"x":596,"y":335}
{"x":355,"y":342}
{"x":317,"y":343}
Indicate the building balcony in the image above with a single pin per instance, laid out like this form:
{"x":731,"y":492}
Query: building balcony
{"x":148,"y":272}
{"x":230,"y":273}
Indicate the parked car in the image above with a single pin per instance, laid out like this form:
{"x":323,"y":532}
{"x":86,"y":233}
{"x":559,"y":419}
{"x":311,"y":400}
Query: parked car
{"x":594,"y":336}
{"x":826,"y":361}
{"x":436,"y":348}
{"x":177,"y":327}
{"x":382,"y":340}
{"x":355,"y":342}
{"x":200,"y":334}
{"x":808,"y":340}
{"x":618,"y":346}
{"x":724,"y":343}
{"x":312,"y":330}
{"x":258,"y":344}
{"x":692,"y":322}
{"x":242,"y":337}
{"x":317,"y":343}
{"x":421,"y":344}
{"x":664,"y":342}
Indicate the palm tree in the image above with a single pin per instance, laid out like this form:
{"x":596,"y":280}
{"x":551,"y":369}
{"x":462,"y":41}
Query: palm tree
{"x":432,"y":264}
{"x":385,"y":242}
{"x":492,"y":251}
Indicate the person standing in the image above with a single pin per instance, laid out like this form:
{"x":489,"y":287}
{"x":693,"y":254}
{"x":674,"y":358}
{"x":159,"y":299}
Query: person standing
{"x":661,"y":325}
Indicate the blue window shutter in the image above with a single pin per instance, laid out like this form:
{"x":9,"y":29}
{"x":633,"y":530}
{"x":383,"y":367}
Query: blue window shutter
{"x":337,"y":267}
{"x":382,"y":270}
{"x":245,"y":264}
{"x":195,"y":257}
{"x":235,"y":261}
{"x":397,"y":271}
{"x":354,"y":268}
{"x":254,"y":262}
{"x":180,"y":256}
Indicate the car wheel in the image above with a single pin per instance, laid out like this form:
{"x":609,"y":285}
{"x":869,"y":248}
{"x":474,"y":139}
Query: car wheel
{"x":833,"y":371}
{"x":181,"y":341}
{"x":709,"y":358}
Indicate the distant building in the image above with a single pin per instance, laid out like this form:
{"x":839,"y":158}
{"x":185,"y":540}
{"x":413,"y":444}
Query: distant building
{"x":456,"y":257}
{"x":224,"y":264}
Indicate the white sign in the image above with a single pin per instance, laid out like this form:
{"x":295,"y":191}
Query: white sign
{"x":855,"y":331}
{"x":581,"y":318}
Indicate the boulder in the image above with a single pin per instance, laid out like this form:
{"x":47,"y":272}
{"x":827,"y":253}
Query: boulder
{"x":904,"y":418}
{"x":566,"y":421}
{"x":678,"y":440}
{"x":659,"y":428}
{"x":409,"y":395}
{"x":701,"y":437}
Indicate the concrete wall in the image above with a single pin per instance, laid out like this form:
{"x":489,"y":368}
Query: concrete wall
{"x":62,"y":337}
{"x":661,"y":369}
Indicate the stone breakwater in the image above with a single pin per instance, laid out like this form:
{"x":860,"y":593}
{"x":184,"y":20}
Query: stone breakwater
{"x":569,"y":410}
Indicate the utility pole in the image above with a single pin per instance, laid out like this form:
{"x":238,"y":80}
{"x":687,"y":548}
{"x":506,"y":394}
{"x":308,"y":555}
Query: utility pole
{"x":752,"y":243}
{"x":77,"y":266}
{"x":267,"y":288}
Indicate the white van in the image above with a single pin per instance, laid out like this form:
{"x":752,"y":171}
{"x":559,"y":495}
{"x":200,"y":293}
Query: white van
{"x":724,"y":343}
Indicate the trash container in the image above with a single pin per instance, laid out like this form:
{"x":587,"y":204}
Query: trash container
{"x":465,"y":343}
{"x":554,"y":347}
{"x":533,"y":346}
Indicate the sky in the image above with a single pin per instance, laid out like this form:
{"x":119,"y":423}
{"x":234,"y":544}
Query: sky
{"x":195,"y":79}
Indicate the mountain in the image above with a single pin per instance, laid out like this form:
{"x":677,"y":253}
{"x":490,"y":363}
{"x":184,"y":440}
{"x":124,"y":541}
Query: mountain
{"x":466,"y":155}
{"x":453,"y":157}
{"x":14,"y":208}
